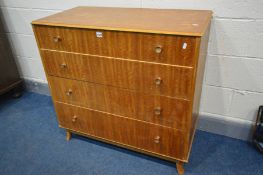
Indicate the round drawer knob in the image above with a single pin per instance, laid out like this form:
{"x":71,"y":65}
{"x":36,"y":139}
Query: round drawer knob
{"x":56,"y":39}
{"x":158,"y":81}
{"x":157,"y":139}
{"x":184,"y":46}
{"x":157,"y":111}
{"x":69,"y":92}
{"x":158,"y":49}
{"x":74,"y":119}
{"x":63,"y":65}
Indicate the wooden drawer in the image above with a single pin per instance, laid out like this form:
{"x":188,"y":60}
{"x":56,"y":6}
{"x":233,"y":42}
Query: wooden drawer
{"x":177,"y":50}
{"x":149,"y":137}
{"x":160,"y":110}
{"x":151,"y":78}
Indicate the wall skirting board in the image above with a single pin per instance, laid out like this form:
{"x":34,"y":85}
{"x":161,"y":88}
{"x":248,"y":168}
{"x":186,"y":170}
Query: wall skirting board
{"x":35,"y":86}
{"x":227,"y":126}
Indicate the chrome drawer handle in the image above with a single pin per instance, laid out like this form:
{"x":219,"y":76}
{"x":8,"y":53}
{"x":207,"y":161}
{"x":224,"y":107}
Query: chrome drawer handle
{"x":56,"y":39}
{"x":74,"y":118}
{"x":157,"y":139}
{"x":69,"y":92}
{"x":158,"y":49}
{"x":157,"y":111}
{"x":158,"y":81}
{"x":63,"y":65}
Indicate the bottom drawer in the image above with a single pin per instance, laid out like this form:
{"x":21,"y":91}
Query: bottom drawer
{"x":149,"y":137}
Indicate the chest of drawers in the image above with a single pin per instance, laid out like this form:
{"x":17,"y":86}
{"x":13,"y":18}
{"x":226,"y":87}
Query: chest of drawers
{"x":129,"y":77}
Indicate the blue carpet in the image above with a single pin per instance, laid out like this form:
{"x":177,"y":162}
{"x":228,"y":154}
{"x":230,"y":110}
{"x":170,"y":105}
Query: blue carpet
{"x":32,"y":144}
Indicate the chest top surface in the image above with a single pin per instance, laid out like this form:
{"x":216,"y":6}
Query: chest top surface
{"x":161,"y":21}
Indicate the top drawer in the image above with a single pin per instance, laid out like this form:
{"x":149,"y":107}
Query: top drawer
{"x":169,"y":49}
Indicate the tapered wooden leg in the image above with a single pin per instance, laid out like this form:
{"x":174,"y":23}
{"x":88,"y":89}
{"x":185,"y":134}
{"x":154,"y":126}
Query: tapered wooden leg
{"x":180,"y":168}
{"x":68,"y":137}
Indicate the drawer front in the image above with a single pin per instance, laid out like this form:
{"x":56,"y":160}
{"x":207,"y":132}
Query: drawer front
{"x":165,"y":111}
{"x":138,"y":134}
{"x":145,"y":77}
{"x":177,"y":50}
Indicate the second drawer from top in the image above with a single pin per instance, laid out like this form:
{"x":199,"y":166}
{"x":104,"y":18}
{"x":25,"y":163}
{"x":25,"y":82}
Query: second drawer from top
{"x":165,"y":80}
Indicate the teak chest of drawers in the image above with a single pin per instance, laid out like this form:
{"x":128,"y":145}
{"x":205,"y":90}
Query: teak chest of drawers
{"x":129,"y":77}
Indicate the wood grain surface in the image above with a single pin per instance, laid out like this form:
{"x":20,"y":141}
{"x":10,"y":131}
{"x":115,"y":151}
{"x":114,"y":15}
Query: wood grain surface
{"x":156,"y":109}
{"x":176,"y":50}
{"x":174,"y":21}
{"x":198,"y":81}
{"x":142,"y":76}
{"x":146,"y":136}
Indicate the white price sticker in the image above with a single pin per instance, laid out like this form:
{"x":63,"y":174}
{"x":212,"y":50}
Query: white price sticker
{"x":99,"y":34}
{"x":184,"y":45}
